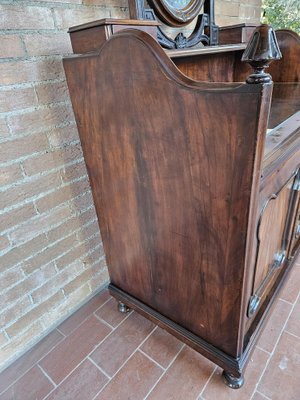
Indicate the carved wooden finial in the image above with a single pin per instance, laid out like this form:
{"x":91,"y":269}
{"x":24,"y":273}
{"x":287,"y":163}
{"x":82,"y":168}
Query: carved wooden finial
{"x":262,"y":49}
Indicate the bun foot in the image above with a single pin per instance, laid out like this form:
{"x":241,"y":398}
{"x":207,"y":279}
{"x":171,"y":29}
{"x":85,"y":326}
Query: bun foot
{"x":123,"y":308}
{"x":234,"y":382}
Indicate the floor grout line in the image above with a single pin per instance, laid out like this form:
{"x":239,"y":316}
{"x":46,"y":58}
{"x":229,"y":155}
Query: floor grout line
{"x":61,"y":332}
{"x":100,"y":369}
{"x":274,"y":348}
{"x":291,"y":334}
{"x":36,"y":363}
{"x":48,"y":377}
{"x":151,"y":359}
{"x":263,"y":395}
{"x":131,"y":355}
{"x":87,"y":356}
{"x":104,"y":322}
{"x":207,"y":382}
{"x":164,"y":373}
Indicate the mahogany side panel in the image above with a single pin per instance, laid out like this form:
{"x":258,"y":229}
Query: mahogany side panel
{"x":173,"y":167}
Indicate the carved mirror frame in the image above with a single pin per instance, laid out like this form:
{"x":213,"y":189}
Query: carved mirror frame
{"x":178,"y":13}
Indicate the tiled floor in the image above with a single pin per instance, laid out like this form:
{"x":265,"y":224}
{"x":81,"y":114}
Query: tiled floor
{"x":100,"y":354}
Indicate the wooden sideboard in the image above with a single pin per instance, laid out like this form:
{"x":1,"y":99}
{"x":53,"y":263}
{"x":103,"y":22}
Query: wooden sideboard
{"x":195,"y":177}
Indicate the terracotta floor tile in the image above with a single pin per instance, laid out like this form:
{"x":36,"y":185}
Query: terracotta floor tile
{"x":259,"y":396}
{"x":293,"y":325}
{"x":133,"y":381}
{"x":83,"y":384}
{"x":185,"y":378}
{"x":23,"y":364}
{"x":32,"y":386}
{"x":84,"y":312}
{"x":274,"y":326}
{"x":115,"y":350}
{"x":281,"y":379}
{"x":162,"y":347}
{"x":68,"y":354}
{"x":109,"y":313}
{"x":291,"y":289}
{"x":216,"y":388}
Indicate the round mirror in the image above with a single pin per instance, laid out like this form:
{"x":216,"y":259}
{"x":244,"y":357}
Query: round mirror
{"x":177,"y":12}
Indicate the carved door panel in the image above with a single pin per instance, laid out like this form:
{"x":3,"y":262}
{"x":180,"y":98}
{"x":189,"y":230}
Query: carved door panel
{"x":295,"y":235}
{"x":275,"y":229}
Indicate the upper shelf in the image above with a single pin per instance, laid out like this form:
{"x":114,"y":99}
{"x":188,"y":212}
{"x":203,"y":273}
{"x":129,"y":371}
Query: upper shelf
{"x":205,"y":50}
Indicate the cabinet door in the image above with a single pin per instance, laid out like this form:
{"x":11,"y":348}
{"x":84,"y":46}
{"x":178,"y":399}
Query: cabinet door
{"x":275,"y":229}
{"x":295,"y":236}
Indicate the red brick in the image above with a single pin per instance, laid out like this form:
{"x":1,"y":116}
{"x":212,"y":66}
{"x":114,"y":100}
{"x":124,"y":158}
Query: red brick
{"x":29,"y":189}
{"x":120,"y":13}
{"x":70,"y":17}
{"x":76,"y":252}
{"x":101,"y":278}
{"x":4,"y":131}
{"x":72,"y":225}
{"x":74,"y":171}
{"x":33,"y":385}
{"x":34,"y":314}
{"x":16,"y":217}
{"x":65,"y":1}
{"x":20,"y":147}
{"x":52,"y":92}
{"x":61,"y":136}
{"x":25,"y":17}
{"x":133,"y":381}
{"x":16,"y":99}
{"x":16,"y":311}
{"x":83,"y":202}
{"x":4,"y":243}
{"x":61,"y":195}
{"x":28,"y":284}
{"x":53,"y":159}
{"x":41,"y":119}
{"x":10,"y":277}
{"x":108,"y":3}
{"x":95,"y":255}
{"x":3,"y":339}
{"x":20,"y":253}
{"x":11,"y":46}
{"x":40,"y":224}
{"x":10,"y":174}
{"x":83,"y":383}
{"x":68,"y":354}
{"x":89,"y":230}
{"x":47,"y":43}
{"x":13,"y":72}
{"x":80,"y":280}
{"x":48,"y":254}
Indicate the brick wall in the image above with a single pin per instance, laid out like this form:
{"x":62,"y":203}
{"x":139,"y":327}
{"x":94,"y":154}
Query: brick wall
{"x":51,"y":257}
{"x":50,"y":248}
{"x":235,"y":12}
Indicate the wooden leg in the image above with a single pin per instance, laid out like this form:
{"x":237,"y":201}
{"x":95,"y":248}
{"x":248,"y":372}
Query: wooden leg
{"x":123,"y":308}
{"x":233,"y":381}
